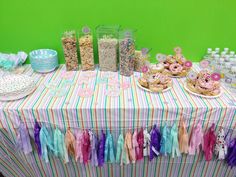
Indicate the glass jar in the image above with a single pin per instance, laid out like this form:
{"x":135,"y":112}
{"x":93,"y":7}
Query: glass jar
{"x":70,"y":50}
{"x":217,"y":50}
{"x":231,"y":79}
{"x":140,"y":59}
{"x":232,"y":53}
{"x":126,"y":52}
{"x":86,"y":49}
{"x":107,"y":47}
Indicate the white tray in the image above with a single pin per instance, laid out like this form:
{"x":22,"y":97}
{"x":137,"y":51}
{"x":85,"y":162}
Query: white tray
{"x":200,"y":95}
{"x":146,"y":89}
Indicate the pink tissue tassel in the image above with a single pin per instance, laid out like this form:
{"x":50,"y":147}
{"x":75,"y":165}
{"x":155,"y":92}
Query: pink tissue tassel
{"x":209,"y":141}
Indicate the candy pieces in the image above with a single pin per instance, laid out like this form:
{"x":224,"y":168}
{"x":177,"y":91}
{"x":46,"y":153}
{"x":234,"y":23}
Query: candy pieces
{"x":70,"y":51}
{"x":86,"y":52}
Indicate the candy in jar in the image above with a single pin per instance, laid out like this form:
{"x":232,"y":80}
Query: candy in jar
{"x":140,"y":58}
{"x":70,"y":50}
{"x":107,"y":47}
{"x":126,"y":53}
{"x":86,"y":49}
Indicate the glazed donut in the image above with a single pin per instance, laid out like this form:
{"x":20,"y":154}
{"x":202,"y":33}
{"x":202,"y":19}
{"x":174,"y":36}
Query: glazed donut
{"x":157,"y":68}
{"x":176,"y":68}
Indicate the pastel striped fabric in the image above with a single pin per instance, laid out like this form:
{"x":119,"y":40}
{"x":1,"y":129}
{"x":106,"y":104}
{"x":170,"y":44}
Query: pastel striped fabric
{"x":133,"y":109}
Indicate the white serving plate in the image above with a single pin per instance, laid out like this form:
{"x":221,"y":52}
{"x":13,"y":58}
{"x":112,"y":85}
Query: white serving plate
{"x":146,"y":89}
{"x":18,"y":96}
{"x":200,"y":95}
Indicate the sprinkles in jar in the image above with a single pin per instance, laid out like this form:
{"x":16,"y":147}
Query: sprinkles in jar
{"x":126,"y":52}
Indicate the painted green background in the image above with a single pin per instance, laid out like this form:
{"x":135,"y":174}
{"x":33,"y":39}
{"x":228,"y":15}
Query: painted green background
{"x":162,"y":24}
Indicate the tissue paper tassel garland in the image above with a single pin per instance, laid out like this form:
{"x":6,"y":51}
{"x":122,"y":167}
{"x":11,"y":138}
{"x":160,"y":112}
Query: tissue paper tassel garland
{"x":183,"y":137}
{"x":165,"y":141}
{"x":209,"y":140}
{"x":155,"y":144}
{"x":129,"y":148}
{"x":46,"y":142}
{"x":37,"y":129}
{"x":23,"y":139}
{"x":86,"y":147}
{"x":231,"y":155}
{"x":101,"y":149}
{"x":109,"y":149}
{"x":146,"y":144}
{"x":196,"y":139}
{"x":135,"y":144}
{"x":221,"y":147}
{"x":94,"y":146}
{"x":59,"y":146}
{"x":70,"y":142}
{"x":140,"y":139}
{"x":174,"y":141}
{"x":78,"y":146}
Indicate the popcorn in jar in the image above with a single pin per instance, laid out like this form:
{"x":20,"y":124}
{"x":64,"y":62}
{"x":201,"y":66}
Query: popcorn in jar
{"x":70,"y":51}
{"x":107,"y":47}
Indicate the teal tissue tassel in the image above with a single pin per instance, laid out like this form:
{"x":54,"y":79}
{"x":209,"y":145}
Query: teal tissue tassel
{"x":120,"y":148}
{"x":109,"y":149}
{"x":59,"y":146}
{"x":165,"y":141}
{"x":46,"y":143}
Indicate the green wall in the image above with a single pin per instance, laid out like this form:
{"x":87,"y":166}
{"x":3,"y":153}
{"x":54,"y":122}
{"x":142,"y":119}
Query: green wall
{"x":161,"y":24}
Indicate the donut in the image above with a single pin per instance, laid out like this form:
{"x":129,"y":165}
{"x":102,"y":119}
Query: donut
{"x":215,"y":92}
{"x":183,"y":73}
{"x":170,"y":59}
{"x":180,"y":59}
{"x":157,"y":68}
{"x":176,"y":68}
{"x":143,"y":82}
{"x":206,"y":83}
{"x":156,"y":88}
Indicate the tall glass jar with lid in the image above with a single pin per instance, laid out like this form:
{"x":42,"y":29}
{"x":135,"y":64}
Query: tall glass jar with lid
{"x":107,"y":37}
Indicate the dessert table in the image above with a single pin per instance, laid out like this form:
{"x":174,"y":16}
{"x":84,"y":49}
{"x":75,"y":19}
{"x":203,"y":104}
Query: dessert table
{"x":91,"y":100}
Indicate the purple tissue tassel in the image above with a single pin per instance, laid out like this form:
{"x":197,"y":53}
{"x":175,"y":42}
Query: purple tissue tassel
{"x":231,"y":155}
{"x":37,"y":129}
{"x":155,"y":144}
{"x":101,"y":149}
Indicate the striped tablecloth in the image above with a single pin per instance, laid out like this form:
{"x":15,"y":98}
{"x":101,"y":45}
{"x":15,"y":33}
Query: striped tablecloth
{"x":133,"y":108}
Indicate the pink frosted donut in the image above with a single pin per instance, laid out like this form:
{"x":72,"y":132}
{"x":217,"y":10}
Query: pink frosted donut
{"x":206,"y":83}
{"x":176,"y":68}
